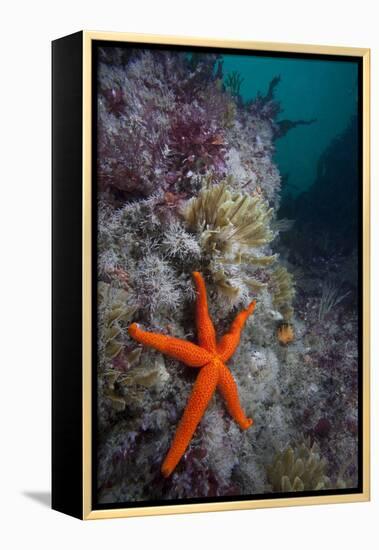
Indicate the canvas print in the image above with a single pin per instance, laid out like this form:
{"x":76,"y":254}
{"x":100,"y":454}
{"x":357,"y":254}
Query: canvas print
{"x":227,"y":213}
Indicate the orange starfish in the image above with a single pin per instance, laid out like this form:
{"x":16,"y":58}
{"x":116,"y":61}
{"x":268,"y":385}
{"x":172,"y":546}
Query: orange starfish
{"x":210,"y":356}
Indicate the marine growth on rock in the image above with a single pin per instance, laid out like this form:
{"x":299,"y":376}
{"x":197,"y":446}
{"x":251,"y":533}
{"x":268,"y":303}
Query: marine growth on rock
{"x":187,"y":182}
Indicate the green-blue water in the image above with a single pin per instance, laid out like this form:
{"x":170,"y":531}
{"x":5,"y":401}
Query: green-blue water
{"x":325,"y":90}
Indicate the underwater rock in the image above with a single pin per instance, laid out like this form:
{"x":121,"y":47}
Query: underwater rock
{"x":150,"y":125}
{"x":322,"y":427}
{"x":330,"y":202}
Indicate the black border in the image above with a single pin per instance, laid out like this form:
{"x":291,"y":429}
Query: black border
{"x":67,"y":128}
{"x":232,"y":51}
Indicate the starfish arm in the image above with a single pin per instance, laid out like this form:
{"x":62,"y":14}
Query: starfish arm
{"x":205,"y":329}
{"x":202,"y":392}
{"x":188,"y":353}
{"x":229,"y":391}
{"x":229,"y":342}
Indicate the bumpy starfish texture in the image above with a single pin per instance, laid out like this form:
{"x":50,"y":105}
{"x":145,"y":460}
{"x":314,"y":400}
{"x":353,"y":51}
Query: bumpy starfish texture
{"x":210,"y":356}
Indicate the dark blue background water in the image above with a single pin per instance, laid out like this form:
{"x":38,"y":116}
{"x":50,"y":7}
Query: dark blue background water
{"x":325,"y":90}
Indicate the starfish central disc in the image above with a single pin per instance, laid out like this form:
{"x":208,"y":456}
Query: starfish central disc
{"x":210,"y":357}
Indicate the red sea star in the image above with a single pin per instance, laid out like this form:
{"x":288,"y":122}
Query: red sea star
{"x":210,"y":356}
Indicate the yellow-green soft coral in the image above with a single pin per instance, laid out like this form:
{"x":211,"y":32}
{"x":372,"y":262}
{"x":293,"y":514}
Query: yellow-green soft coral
{"x":229,"y":222}
{"x":114,"y":315}
{"x":233,"y":229}
{"x":283,"y":291}
{"x":298,"y":468}
{"x":127,"y":388}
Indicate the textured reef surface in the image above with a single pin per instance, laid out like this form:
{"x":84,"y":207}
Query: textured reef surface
{"x":187,"y":182}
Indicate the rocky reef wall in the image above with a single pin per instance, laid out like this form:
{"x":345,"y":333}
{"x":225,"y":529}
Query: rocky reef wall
{"x":186,"y":182}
